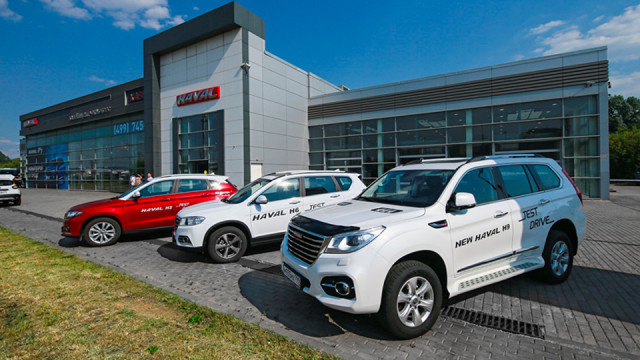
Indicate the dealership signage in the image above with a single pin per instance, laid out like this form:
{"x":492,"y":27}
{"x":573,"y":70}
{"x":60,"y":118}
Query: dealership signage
{"x":135,"y":95}
{"x":128,"y":127}
{"x":92,"y":112}
{"x":197,"y":96}
{"x":30,"y":123}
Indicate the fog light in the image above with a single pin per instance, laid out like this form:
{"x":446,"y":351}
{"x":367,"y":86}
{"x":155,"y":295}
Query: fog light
{"x":339,"y":286}
{"x":184,"y":240}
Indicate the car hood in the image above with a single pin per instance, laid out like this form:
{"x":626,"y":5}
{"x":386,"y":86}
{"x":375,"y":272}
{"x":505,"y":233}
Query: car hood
{"x":204,"y":208}
{"x":364,"y":215}
{"x":97,"y":203}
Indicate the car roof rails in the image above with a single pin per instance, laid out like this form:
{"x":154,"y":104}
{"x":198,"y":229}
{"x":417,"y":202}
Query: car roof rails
{"x":503,"y":156}
{"x":435,"y":161}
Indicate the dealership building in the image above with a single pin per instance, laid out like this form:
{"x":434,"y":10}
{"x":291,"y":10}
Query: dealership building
{"x":213,"y":99}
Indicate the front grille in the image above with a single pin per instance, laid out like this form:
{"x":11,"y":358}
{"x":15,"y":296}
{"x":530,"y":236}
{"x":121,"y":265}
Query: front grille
{"x":177,"y":222}
{"x":304,"y":245}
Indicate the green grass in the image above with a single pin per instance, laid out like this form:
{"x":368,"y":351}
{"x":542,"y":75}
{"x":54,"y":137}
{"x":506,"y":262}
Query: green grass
{"x":56,"y":306}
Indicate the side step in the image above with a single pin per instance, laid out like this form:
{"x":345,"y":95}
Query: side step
{"x":504,"y":273}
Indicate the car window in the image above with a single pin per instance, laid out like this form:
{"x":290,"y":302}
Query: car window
{"x":156,"y":189}
{"x":418,"y":188}
{"x":190,"y":185}
{"x":316,"y":185}
{"x":345,"y":182}
{"x":546,"y":178}
{"x":283,"y":190}
{"x":6,"y":182}
{"x":515,"y":179}
{"x":481,"y":184}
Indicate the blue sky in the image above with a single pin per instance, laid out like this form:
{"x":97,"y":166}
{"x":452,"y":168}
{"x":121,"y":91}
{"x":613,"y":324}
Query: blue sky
{"x":57,"y":50}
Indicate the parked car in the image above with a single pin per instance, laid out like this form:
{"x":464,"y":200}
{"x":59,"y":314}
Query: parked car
{"x":425,"y":232}
{"x":150,"y":205}
{"x":9,"y":191}
{"x":259,"y":212}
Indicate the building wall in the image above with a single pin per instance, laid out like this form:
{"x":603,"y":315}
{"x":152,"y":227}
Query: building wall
{"x":212,"y":62}
{"x":278,"y":101}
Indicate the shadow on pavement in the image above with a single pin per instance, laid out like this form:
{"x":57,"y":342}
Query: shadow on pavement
{"x":279,"y":300}
{"x":173,"y":252}
{"x":598,"y":292}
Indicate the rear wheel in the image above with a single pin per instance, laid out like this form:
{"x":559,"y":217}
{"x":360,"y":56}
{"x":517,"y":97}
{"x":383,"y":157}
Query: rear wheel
{"x":411,"y":300}
{"x":17,"y":201}
{"x":558,"y":258}
{"x":227,"y":244}
{"x":101,"y":232}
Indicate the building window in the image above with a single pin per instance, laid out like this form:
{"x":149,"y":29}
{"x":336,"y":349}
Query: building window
{"x":199,"y":143}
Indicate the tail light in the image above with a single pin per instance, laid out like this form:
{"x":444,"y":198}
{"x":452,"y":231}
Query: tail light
{"x":574,"y":185}
{"x":15,"y":186}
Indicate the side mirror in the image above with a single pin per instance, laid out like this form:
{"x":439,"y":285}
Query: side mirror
{"x":261,"y":200}
{"x":462,"y":201}
{"x":135,"y":195}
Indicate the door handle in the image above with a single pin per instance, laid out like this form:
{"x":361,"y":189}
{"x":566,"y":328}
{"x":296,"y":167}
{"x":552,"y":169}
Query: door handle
{"x":500,"y":214}
{"x":335,"y":196}
{"x":544,"y":201}
{"x":295,"y":202}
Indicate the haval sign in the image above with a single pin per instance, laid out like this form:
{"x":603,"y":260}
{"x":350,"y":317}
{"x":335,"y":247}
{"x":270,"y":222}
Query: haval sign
{"x":197,"y":96}
{"x":30,"y":123}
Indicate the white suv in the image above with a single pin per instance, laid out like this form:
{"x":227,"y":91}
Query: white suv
{"x":259,"y":212}
{"x":425,"y":232}
{"x":9,"y":191}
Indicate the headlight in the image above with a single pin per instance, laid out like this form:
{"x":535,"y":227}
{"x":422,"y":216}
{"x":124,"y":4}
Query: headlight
{"x":72,"y":214}
{"x":191,"y":220}
{"x":350,"y":242}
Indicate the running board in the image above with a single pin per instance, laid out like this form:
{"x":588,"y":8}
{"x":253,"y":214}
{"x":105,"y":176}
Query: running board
{"x":495,"y":276}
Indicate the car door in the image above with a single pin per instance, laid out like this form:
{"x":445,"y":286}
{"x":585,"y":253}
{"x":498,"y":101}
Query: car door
{"x":532,"y":208}
{"x":284,"y":200}
{"x":481,"y":234}
{"x":320,"y":191}
{"x":152,"y":209}
{"x":190,"y":192}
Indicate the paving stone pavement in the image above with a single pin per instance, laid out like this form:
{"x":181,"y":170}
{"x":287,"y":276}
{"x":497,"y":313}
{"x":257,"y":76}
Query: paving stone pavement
{"x":594,"y":315}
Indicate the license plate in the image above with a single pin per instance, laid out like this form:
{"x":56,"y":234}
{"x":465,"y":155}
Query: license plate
{"x":291,"y":275}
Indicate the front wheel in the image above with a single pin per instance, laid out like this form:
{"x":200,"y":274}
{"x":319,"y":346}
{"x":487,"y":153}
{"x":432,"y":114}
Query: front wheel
{"x":227,"y":244}
{"x":101,"y":232}
{"x":558,"y":258}
{"x":411,"y":300}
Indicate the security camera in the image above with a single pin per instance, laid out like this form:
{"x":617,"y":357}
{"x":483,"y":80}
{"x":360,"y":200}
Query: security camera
{"x":245,"y":66}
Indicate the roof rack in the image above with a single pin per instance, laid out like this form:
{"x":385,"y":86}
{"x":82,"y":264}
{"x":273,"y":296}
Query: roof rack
{"x":503,"y":156}
{"x":296,"y":172}
{"x":438,"y":160}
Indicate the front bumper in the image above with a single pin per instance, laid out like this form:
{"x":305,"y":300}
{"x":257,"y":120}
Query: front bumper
{"x":71,"y":227}
{"x":365,"y":268}
{"x":190,"y":236}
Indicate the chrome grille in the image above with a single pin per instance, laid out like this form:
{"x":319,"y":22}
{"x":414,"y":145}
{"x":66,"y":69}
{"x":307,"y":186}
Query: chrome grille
{"x":304,"y":245}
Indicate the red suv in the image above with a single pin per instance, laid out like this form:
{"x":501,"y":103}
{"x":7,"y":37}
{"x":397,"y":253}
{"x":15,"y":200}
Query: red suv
{"x":151,"y":205}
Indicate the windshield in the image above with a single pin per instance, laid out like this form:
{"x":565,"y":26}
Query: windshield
{"x":248,"y":190}
{"x":137,"y":187}
{"x":417,"y":188}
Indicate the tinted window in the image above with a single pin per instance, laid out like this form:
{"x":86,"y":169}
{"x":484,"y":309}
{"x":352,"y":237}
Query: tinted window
{"x":284,"y":190}
{"x":547,"y":179}
{"x":189,"y":185}
{"x":6,"y":182}
{"x":418,"y":188}
{"x":345,"y":182}
{"x":159,"y":188}
{"x":516,"y":181}
{"x":316,"y":185}
{"x":480,"y":183}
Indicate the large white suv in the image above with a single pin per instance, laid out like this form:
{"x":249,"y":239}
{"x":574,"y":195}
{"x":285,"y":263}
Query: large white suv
{"x":425,"y":232}
{"x":259,"y":212}
{"x":9,"y":190}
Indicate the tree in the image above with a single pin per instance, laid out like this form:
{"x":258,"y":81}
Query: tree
{"x":11,"y":164}
{"x":4,"y":158}
{"x":623,"y":113}
{"x":624,"y":147}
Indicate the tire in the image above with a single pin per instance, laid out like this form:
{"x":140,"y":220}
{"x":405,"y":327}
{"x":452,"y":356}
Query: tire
{"x":101,"y":232}
{"x":558,"y":258}
{"x":17,"y":202}
{"x":227,"y":244}
{"x":411,"y":288}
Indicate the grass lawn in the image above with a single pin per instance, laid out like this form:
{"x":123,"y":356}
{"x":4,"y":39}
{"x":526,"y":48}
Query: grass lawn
{"x":54,"y":305}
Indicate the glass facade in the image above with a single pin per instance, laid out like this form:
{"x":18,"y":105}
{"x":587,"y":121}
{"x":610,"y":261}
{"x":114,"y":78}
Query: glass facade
{"x":95,"y":156}
{"x":563,"y":129}
{"x":200,"y":143}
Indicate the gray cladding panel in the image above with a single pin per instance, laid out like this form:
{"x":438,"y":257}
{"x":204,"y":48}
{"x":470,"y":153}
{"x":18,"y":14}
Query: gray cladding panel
{"x":531,"y":81}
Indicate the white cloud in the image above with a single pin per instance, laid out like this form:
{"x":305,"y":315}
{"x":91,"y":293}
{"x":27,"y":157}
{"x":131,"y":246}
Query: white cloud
{"x":621,"y":34}
{"x":546,"y":27}
{"x":126,"y":14}
{"x":627,"y":85}
{"x":7,"y":13}
{"x":518,"y":57}
{"x":11,"y":148}
{"x":599,"y":18}
{"x":102,"y":80}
